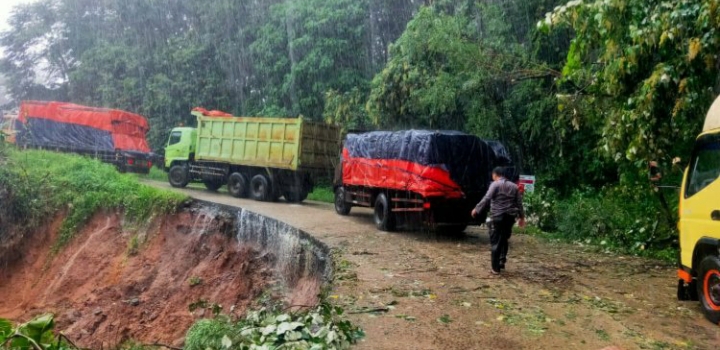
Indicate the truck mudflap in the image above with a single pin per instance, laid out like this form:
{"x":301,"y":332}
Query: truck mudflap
{"x":687,"y":287}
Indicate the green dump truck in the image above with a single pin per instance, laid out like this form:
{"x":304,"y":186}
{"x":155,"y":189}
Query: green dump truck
{"x":261,"y":158}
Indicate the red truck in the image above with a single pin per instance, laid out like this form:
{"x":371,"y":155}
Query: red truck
{"x":434,"y":177}
{"x":110,"y":135}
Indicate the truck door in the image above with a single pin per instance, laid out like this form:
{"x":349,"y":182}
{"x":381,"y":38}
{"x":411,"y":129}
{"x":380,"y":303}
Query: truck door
{"x":175,"y":150}
{"x":700,"y":207}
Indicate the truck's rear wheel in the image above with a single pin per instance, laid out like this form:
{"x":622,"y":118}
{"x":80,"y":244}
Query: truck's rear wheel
{"x":384,"y":218}
{"x":708,"y":285}
{"x":260,"y":189}
{"x":238,"y":185}
{"x":212,"y":185}
{"x":342,"y":207}
{"x":178,"y":176}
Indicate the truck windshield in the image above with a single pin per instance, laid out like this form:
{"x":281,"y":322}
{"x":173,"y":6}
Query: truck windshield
{"x":175,"y":137}
{"x":704,"y":167}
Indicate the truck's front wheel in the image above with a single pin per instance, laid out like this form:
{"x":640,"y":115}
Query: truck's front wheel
{"x":708,"y":285}
{"x":384,"y":218}
{"x":178,"y":176}
{"x":342,"y":207}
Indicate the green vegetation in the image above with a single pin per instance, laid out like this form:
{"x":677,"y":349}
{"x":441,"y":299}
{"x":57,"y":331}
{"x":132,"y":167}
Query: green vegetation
{"x":194,"y":281}
{"x":156,"y":174}
{"x":272,"y":328}
{"x":322,"y":193}
{"x":36,"y":185}
{"x":36,"y":334}
{"x":583,"y":93}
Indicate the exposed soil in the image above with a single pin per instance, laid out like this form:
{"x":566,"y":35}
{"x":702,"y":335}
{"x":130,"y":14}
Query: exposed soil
{"x":410,"y":290}
{"x":105,"y":289}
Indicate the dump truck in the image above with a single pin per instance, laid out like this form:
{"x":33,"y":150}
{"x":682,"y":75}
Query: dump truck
{"x":261,"y":158}
{"x":699,"y":224}
{"x":110,"y":135}
{"x":435,"y":177}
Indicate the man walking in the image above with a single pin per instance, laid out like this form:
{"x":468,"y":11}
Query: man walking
{"x":505,"y":205}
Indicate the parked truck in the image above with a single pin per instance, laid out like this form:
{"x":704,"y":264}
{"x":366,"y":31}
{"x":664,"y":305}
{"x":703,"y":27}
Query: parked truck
{"x":261,"y":158}
{"x":436,"y":177}
{"x":699,"y":225}
{"x":110,"y":135}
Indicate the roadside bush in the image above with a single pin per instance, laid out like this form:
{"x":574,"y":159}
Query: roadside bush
{"x":627,"y":218}
{"x":270,"y":328}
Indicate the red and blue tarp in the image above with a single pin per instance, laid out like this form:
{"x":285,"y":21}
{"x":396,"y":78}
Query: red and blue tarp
{"x":81,"y":128}
{"x":448,"y":164}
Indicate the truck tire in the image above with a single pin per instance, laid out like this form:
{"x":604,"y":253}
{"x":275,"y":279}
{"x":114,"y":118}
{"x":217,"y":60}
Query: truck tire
{"x":212,"y":185}
{"x":260,"y":189}
{"x":178,"y":176}
{"x":341,"y":206}
{"x":237,"y":185}
{"x":384,"y":217}
{"x":708,"y":286}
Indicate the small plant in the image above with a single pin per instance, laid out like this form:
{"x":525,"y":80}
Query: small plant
{"x":194,"y":281}
{"x":34,"y":335}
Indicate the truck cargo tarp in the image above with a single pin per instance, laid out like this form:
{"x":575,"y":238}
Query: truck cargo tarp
{"x":432,"y":163}
{"x":71,"y":126}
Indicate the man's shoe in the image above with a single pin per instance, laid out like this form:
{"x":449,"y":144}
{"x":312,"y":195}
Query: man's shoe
{"x":494,"y":272}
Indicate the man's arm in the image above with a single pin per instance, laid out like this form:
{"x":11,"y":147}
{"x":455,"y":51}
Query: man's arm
{"x":519,"y":205}
{"x":486,"y":200}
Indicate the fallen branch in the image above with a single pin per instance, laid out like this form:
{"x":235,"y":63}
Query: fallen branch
{"x":369,"y":311}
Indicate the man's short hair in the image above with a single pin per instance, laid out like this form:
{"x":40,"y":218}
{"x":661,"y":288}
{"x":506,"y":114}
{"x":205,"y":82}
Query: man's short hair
{"x":499,"y":171}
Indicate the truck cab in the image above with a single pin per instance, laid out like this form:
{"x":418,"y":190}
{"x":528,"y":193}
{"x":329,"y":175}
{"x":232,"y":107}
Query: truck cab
{"x":180,"y":147}
{"x":699,"y":224}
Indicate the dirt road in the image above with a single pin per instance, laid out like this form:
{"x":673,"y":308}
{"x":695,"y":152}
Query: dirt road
{"x":412,"y":290}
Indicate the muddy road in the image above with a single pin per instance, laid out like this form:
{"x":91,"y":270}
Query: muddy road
{"x":413,"y":290}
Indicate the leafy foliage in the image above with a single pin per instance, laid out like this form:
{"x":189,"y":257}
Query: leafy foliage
{"x":653,"y":67}
{"x":269,"y":328}
{"x":36,"y":334}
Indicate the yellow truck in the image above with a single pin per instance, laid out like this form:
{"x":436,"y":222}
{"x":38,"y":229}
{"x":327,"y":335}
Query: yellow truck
{"x":699,"y":225}
{"x":263,"y":158}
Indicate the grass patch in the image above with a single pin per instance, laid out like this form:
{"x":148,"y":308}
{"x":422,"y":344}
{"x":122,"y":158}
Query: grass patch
{"x":156,"y":174}
{"x":322,"y":193}
{"x":37,"y":184}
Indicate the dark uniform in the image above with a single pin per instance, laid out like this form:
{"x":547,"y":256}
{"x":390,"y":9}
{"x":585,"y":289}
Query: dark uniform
{"x":505,"y":202}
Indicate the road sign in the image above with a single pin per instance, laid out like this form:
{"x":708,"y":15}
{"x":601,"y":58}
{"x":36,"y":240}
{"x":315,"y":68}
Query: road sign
{"x":527,"y":182}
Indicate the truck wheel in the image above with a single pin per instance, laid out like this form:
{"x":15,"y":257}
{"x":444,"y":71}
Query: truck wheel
{"x":384,"y":218}
{"x":237,"y":185}
{"x":212,"y":185}
{"x":341,"y":206}
{"x":260,"y":189}
{"x":708,"y":285}
{"x":178,"y":176}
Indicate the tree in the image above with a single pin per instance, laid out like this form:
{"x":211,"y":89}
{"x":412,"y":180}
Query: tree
{"x":653,"y":66}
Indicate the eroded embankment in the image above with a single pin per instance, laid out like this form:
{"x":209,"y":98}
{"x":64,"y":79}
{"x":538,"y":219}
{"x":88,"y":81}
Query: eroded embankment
{"x":113,"y":282}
